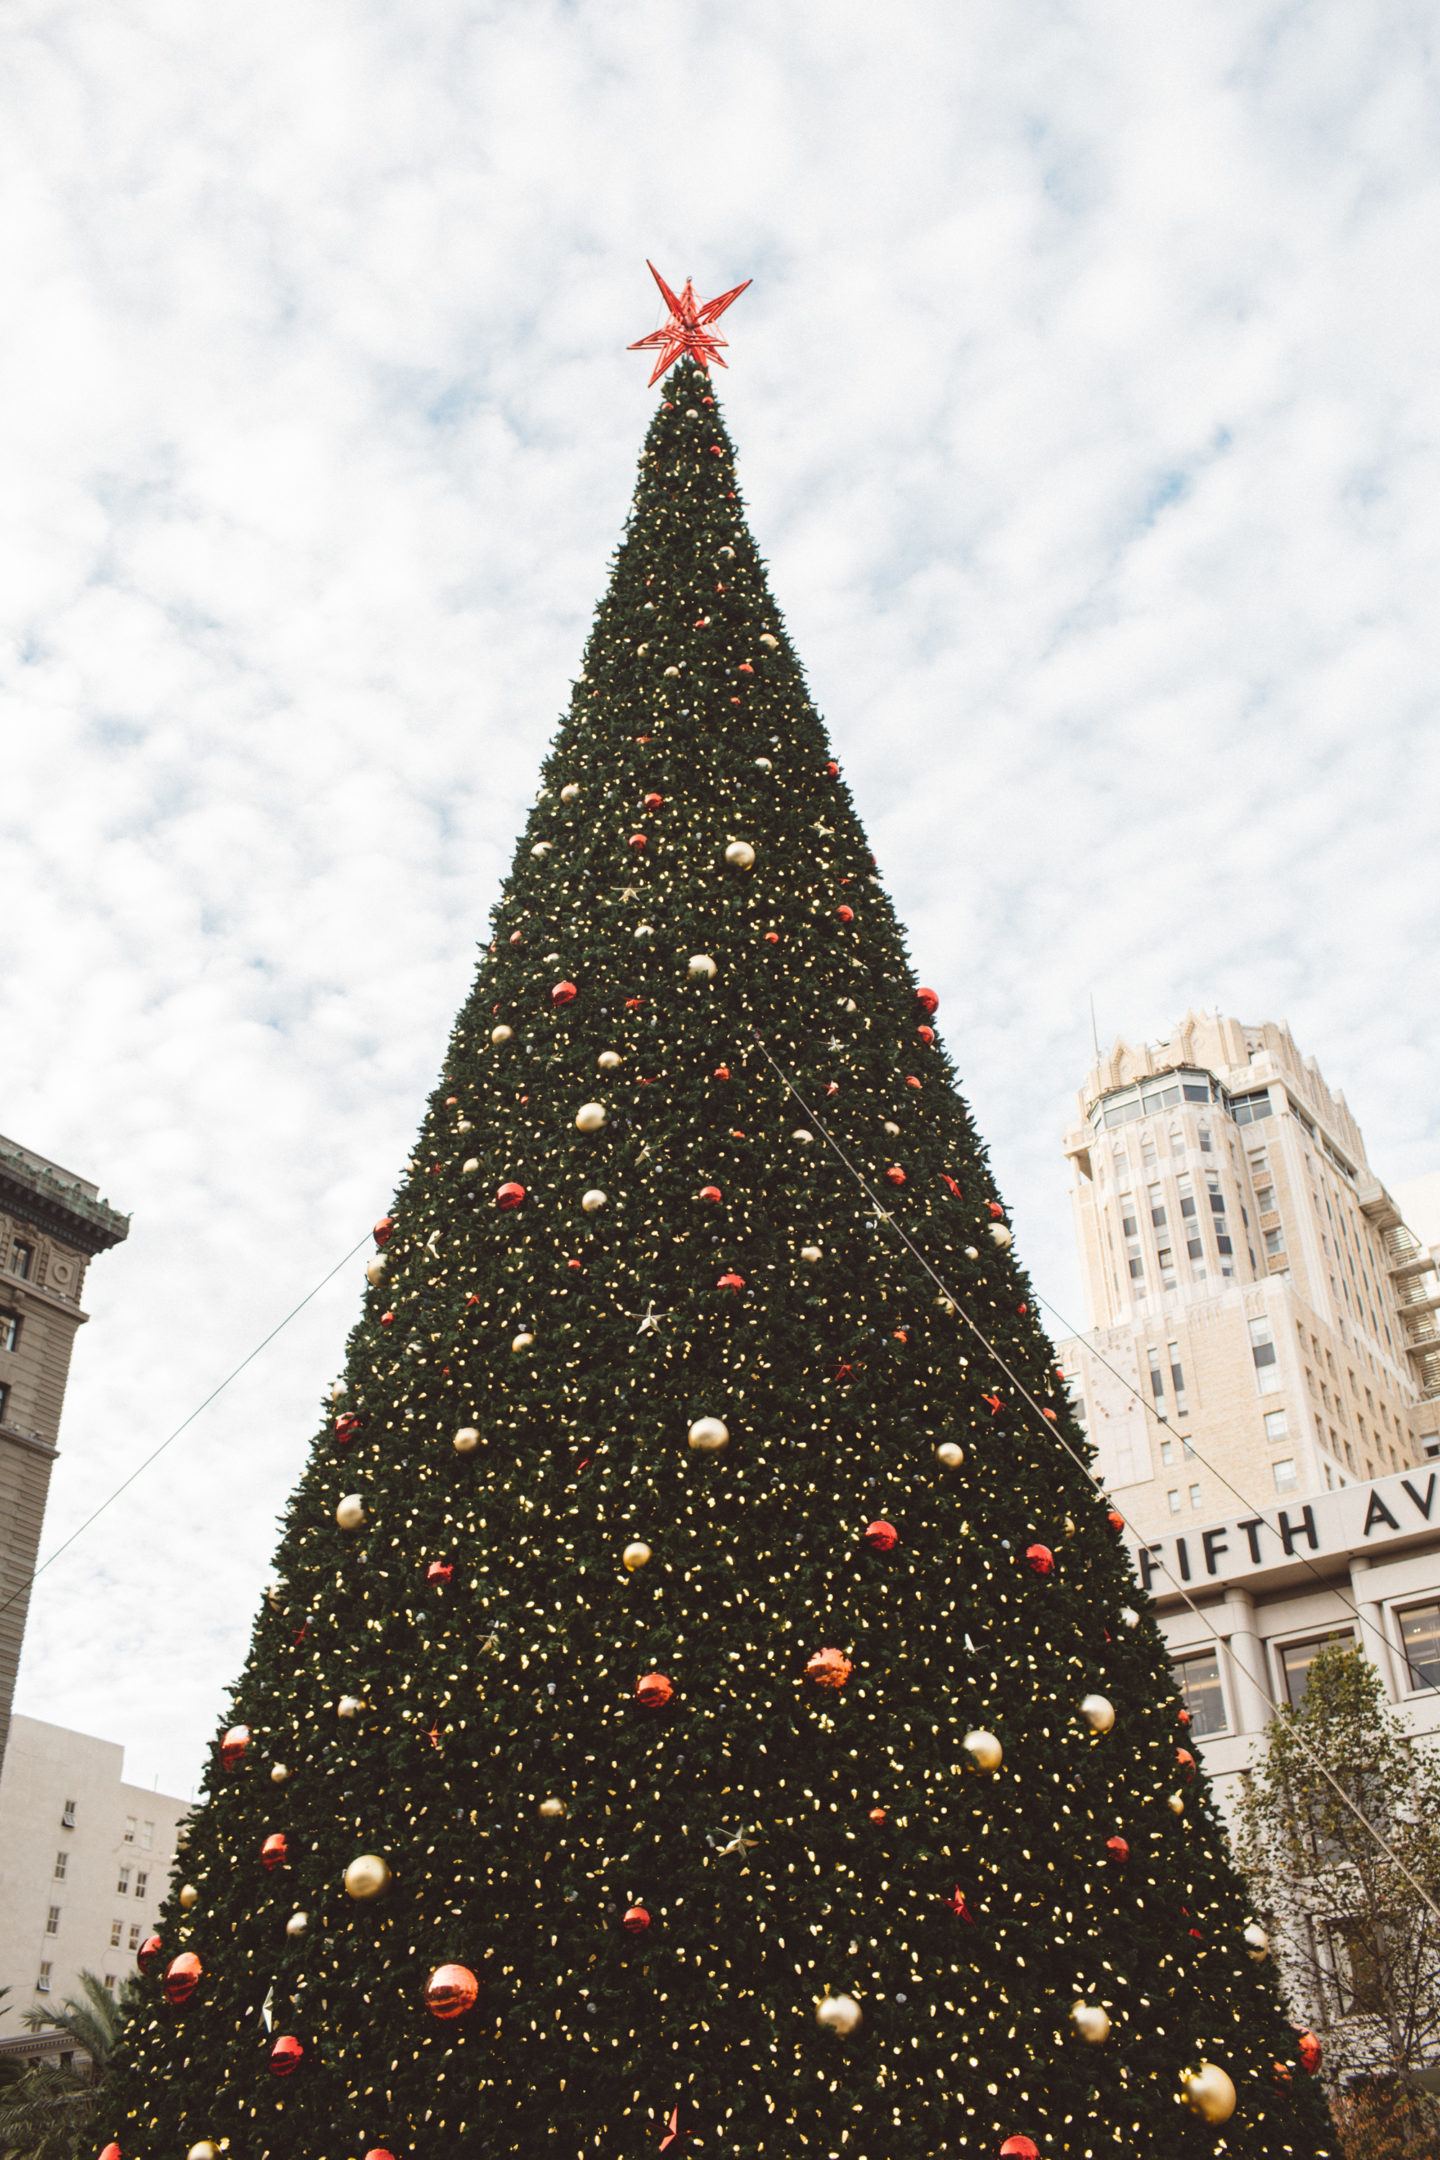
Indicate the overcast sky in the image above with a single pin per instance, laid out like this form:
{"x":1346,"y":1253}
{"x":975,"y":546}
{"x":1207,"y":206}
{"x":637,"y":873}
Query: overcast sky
{"x":1087,"y":410}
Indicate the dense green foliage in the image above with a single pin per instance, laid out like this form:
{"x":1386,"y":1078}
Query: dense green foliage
{"x":50,"y":2110}
{"x":786,"y":1838}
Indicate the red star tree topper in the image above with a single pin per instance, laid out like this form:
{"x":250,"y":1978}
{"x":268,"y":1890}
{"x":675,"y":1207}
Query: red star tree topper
{"x":688,"y":330}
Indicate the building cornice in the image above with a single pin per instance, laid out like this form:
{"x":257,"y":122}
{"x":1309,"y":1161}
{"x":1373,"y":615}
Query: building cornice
{"x":33,"y":1192}
{"x":30,"y":1443}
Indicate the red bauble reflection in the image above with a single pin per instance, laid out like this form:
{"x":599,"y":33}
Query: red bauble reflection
{"x":286,"y":2056}
{"x":233,"y":1745}
{"x":1118,"y":1849}
{"x":182,"y":1977}
{"x":384,"y":1230}
{"x":828,"y":1668}
{"x":1041,"y":1559}
{"x":564,"y":993}
{"x":1310,"y":2051}
{"x":636,"y":1920}
{"x":1019,"y":2148}
{"x":276,"y":1850}
{"x":927,"y":1000}
{"x":895,"y":1175}
{"x":510,"y":1195}
{"x":654,"y":1690}
{"x":881,"y":1536}
{"x":346,"y":1426}
{"x":148,"y":1956}
{"x":731,"y":1282}
{"x":709,"y":1192}
{"x":450,"y":1991}
{"x":110,"y":2152}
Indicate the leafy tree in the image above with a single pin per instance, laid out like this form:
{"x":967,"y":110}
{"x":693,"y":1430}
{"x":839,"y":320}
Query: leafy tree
{"x":683,"y":1721}
{"x":49,"y":2112}
{"x":1356,"y":1941}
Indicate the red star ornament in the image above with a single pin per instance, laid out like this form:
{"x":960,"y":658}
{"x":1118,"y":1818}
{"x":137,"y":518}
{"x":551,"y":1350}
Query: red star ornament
{"x":688,"y":330}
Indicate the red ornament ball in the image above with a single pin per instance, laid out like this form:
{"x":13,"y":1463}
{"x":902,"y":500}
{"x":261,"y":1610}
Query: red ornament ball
{"x":346,"y":1426}
{"x":1310,"y":2051}
{"x":833,"y":769}
{"x":828,"y":1668}
{"x":110,"y":2151}
{"x":927,"y":1000}
{"x":653,"y":801}
{"x":926,"y":1034}
{"x":564,"y":993}
{"x":384,"y":1230}
{"x":878,"y":1816}
{"x":182,"y":1977}
{"x":509,"y":1196}
{"x":881,"y":1536}
{"x":1185,"y":1762}
{"x":286,"y":2056}
{"x":1019,"y":2148}
{"x":636,"y":1920}
{"x":450,"y":1991}
{"x":638,"y":841}
{"x":654,"y":1690}
{"x":709,"y":1192}
{"x":1040,"y":1559}
{"x":1118,"y":1849}
{"x":895,"y":1175}
{"x":722,"y":1072}
{"x":731,"y":1282}
{"x":440,"y":1571}
{"x":1115,"y":1519}
{"x":845,"y":913}
{"x":379,"y":2152}
{"x":275,"y":1851}
{"x":148,"y":1956}
{"x":233,"y":1745}
{"x":387,"y":1319}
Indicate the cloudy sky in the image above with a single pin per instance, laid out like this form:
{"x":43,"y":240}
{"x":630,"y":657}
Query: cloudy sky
{"x":1087,"y":408}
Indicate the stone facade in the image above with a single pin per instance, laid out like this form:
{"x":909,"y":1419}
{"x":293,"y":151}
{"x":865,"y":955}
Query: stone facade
{"x":51,"y":1225}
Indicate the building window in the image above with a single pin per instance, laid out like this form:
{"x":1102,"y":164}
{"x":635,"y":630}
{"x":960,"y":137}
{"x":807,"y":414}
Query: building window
{"x":1194,"y":1496}
{"x":1296,"y":1658}
{"x":1284,"y":1474}
{"x":1165,"y":1259}
{"x":67,"y":1816}
{"x":42,"y":1978}
{"x":147,"y":1829}
{"x":1420,"y":1634}
{"x":52,"y":1920}
{"x":1157,"y":1377}
{"x":136,"y":1931}
{"x":1358,"y":1954}
{"x":129,"y":1829}
{"x":1277,"y":1426}
{"x":1246,"y":1109}
{"x":141,"y":1880}
{"x":1203,"y":1695}
{"x":1177,"y":1377}
{"x":4,"y":1398}
{"x":117,"y":1929}
{"x":60,"y":1862}
{"x":109,"y":1983}
{"x":9,"y":1330}
{"x":1265,"y":1199}
{"x":22,"y":1258}
{"x":1174,"y":1500}
{"x":1128,"y":1224}
{"x":1262,"y":1350}
{"x":1206,"y":1147}
{"x":123,"y":1886}
{"x":1167,"y":1452}
{"x":1137,"y":1270}
{"x":1274,"y":1243}
{"x":1155,"y":1194}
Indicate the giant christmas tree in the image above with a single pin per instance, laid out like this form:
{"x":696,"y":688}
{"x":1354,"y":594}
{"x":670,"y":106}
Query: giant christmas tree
{"x":704,"y":1705}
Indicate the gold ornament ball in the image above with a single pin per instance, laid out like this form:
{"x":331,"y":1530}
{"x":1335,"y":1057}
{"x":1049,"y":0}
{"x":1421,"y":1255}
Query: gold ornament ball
{"x":349,"y":1706}
{"x":182,"y":1838}
{"x":950,"y":1454}
{"x":205,"y":2150}
{"x":1208,"y":2093}
{"x":838,"y":2013}
{"x":189,"y":1896}
{"x":279,"y":1771}
{"x":367,"y":1876}
{"x":590,"y":1117}
{"x":466,"y":1440}
{"x":708,"y":1434}
{"x":375,"y":1270}
{"x":1098,"y":1712}
{"x":593,"y":1200}
{"x":984,"y":1751}
{"x":1001,"y":1233}
{"x":470,"y":1165}
{"x":1257,"y":1942}
{"x":350,"y":1513}
{"x":740,"y":855}
{"x":810,"y":1254}
{"x":297,"y":1923}
{"x":1176,"y":1803}
{"x":769,"y":640}
{"x":523,"y":1340}
{"x":1091,"y":2022}
{"x":552,"y":1810}
{"x":570,"y":790}
{"x":501,"y":1034}
{"x":608,"y":1060}
{"x":636,"y":1555}
{"x":702,"y":967}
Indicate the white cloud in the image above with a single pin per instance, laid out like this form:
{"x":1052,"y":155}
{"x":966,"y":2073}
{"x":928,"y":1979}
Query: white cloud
{"x":1086,"y":406}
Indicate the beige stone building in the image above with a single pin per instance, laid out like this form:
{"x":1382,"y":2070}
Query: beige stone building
{"x":85,"y":1860}
{"x":51,"y":1225}
{"x":1257,"y":1300}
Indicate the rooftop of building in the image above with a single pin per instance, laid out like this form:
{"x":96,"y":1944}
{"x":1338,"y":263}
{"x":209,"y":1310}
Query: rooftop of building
{"x":67,"y":1205}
